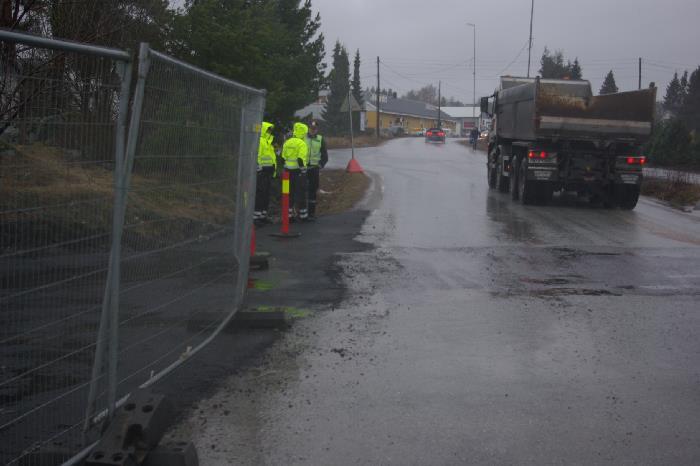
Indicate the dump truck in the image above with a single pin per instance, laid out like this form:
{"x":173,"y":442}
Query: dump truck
{"x":551,"y":135}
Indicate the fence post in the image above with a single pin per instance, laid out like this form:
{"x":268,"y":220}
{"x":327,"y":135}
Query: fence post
{"x":242,"y":200}
{"x":125,"y":70}
{"x":120,"y":208}
{"x":110,"y":313}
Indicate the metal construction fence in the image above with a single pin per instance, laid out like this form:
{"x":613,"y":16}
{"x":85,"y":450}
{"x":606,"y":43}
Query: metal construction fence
{"x":126,"y":192}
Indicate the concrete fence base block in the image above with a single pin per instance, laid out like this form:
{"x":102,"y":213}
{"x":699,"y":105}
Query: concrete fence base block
{"x":136,"y":428}
{"x":173,"y":454}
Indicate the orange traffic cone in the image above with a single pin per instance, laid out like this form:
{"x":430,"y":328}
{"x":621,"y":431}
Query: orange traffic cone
{"x":354,"y":166}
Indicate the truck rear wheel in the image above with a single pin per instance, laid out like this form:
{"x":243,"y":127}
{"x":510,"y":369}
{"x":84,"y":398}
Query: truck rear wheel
{"x":502,"y":181}
{"x":627,"y":196}
{"x":514,"y":191}
{"x":491,"y":173}
{"x":526,"y":188}
{"x":503,"y":184}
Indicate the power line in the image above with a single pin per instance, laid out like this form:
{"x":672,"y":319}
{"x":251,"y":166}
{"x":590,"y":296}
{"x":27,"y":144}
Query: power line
{"x":440,"y":70}
{"x":527,"y":44}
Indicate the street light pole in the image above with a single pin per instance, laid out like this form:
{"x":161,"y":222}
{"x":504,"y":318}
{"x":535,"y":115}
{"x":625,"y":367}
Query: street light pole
{"x":529,"y":47}
{"x":474,"y":72}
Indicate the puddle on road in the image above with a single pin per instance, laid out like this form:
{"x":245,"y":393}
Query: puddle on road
{"x":570,"y":253}
{"x":546,"y":281}
{"x":557,"y":292}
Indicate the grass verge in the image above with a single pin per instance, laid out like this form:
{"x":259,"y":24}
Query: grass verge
{"x":339,"y":191}
{"x":675,"y":189}
{"x":362,"y":140}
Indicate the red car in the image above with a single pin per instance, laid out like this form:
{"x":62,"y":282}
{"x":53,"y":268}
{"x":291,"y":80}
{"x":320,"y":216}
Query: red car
{"x":435,"y":135}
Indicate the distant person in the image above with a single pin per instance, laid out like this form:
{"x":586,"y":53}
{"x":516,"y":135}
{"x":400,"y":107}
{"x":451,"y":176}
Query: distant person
{"x":267,"y":165}
{"x":318,"y":158}
{"x":473,"y":137}
{"x":295,"y":154}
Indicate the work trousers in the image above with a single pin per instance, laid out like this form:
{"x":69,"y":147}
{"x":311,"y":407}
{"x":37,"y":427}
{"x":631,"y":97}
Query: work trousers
{"x":313,"y":182}
{"x":297,"y":192}
{"x":262,"y":191}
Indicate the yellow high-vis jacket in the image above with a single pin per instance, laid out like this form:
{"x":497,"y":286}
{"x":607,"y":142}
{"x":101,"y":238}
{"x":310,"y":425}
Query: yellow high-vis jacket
{"x":266,"y":152}
{"x":295,"y":148}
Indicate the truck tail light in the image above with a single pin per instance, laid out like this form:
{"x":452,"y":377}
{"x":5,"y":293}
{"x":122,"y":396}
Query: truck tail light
{"x":636,"y":160}
{"x":537,"y":154}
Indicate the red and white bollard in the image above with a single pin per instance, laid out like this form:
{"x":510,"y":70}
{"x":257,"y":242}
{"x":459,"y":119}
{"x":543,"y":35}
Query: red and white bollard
{"x":284,"y":233}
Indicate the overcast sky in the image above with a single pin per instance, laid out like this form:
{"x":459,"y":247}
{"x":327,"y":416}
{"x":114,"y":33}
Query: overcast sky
{"x":421,"y":42}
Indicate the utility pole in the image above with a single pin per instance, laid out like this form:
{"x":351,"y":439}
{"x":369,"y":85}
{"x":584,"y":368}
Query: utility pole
{"x":352,"y":131}
{"x":474,"y":72}
{"x":529,"y":48}
{"x":439,"y":125}
{"x":378,"y":120}
{"x":640,"y":73}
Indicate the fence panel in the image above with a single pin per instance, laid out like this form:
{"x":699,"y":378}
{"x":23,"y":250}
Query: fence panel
{"x":62,"y":123}
{"x":184,"y":258}
{"x":119,"y":256}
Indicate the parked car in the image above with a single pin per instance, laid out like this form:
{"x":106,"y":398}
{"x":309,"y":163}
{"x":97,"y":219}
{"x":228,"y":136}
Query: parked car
{"x":418,"y":132}
{"x":435,"y":135}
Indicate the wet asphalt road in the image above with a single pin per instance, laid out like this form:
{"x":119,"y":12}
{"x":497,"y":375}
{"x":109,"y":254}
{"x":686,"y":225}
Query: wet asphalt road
{"x":478,"y":331}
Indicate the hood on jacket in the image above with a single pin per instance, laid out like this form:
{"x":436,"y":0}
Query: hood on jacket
{"x":300,"y":130}
{"x":265,"y":128}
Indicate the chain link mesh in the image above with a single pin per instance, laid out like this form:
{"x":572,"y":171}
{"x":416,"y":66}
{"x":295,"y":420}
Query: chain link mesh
{"x":183,"y":250}
{"x":186,"y":241}
{"x":58,"y":120}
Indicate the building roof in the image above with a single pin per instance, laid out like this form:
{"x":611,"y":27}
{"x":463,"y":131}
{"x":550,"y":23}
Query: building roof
{"x":463,"y":112}
{"x":409,"y":108}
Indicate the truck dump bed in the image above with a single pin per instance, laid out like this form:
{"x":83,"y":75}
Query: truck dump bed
{"x":532,"y":109}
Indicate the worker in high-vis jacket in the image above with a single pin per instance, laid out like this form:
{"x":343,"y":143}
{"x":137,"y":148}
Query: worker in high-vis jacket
{"x":295,"y":153}
{"x":318,"y":158}
{"x":267,"y":166}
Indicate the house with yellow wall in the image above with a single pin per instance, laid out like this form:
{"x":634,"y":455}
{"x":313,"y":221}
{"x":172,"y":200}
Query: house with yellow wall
{"x":409,"y":115}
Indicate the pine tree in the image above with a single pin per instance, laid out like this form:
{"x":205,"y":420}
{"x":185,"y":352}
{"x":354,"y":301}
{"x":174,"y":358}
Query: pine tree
{"x":575,"y":70}
{"x":250,"y":42}
{"x":339,"y":84}
{"x":356,"y":85}
{"x":684,"y":88}
{"x":690,"y":111}
{"x":356,"y":89}
{"x":673,"y":96}
{"x":609,"y":86}
{"x":552,"y":65}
